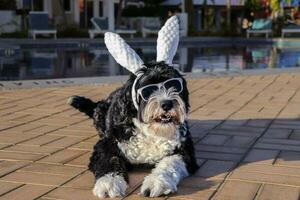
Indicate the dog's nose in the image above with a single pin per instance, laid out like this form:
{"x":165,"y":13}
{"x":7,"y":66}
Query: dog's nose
{"x":166,"y":105}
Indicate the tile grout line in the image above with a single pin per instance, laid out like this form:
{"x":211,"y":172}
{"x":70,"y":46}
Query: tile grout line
{"x":217,"y":97}
{"x":13,"y":189}
{"x":56,"y":187}
{"x":249,"y":148}
{"x":255,"y":141}
{"x":259,"y":191}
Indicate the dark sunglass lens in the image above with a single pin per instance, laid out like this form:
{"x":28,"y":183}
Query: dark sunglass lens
{"x":148,"y":91}
{"x":174,"y":84}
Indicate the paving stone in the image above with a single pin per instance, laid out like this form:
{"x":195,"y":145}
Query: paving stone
{"x":62,"y":157}
{"x":268,"y":169}
{"x":245,"y":130}
{"x":220,"y":149}
{"x":218,"y":156}
{"x":81,"y":161}
{"x":215,"y":169}
{"x":288,"y":158}
{"x":192,"y":194}
{"x":43,"y":129}
{"x":240,"y":141}
{"x":258,"y":122}
{"x":2,"y":146}
{"x":282,"y":147}
{"x":35,"y":178}
{"x":276,"y":192}
{"x":14,"y":138}
{"x":235,"y":122}
{"x":136,"y":178}
{"x":27,"y":192}
{"x":237,"y":190}
{"x":6,"y":187}
{"x":15,"y":156}
{"x":280,"y":141}
{"x":295,"y":135}
{"x":65,"y":193}
{"x":68,"y":132}
{"x":266,"y":178}
{"x":93,"y":140}
{"x":52,"y":169}
{"x":261,"y":156}
{"x":41,"y":140}
{"x":83,"y":146}
{"x":277,"y":133}
{"x":285,"y":126}
{"x":235,"y":132}
{"x":10,"y":166}
{"x":85,"y":181}
{"x":139,"y":197}
{"x":214,"y":139}
{"x":32,"y":149}
{"x":200,"y":183}
{"x":64,"y":142}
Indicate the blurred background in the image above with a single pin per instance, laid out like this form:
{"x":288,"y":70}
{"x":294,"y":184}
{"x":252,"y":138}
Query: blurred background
{"x":213,"y":35}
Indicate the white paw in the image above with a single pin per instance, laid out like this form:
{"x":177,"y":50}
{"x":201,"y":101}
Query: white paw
{"x":156,"y":185}
{"x":111,"y":185}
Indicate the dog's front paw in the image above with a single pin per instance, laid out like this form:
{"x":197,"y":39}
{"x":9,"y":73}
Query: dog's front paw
{"x":111,"y":185}
{"x":156,"y":185}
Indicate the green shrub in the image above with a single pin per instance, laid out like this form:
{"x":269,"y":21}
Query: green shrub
{"x":7,"y":5}
{"x":17,"y":34}
{"x":147,"y":11}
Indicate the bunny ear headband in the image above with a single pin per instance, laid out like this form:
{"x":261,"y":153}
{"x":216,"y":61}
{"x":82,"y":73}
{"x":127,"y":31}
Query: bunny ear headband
{"x":167,"y":43}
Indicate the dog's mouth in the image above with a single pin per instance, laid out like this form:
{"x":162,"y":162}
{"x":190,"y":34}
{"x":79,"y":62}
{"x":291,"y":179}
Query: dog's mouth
{"x":166,"y":118}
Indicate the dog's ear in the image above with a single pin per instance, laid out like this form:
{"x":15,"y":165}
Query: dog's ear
{"x":167,"y":41}
{"x":122,"y":52}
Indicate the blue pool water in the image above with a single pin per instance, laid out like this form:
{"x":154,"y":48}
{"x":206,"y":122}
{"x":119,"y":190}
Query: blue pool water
{"x":60,"y":62}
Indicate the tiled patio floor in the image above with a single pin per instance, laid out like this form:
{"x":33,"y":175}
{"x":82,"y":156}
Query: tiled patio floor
{"x":246,"y":131}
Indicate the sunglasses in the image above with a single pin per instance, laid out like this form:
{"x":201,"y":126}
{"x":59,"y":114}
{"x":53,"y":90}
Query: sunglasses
{"x":175,"y":84}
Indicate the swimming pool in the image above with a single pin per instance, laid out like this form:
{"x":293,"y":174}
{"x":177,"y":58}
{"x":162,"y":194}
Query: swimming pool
{"x":88,"y":60}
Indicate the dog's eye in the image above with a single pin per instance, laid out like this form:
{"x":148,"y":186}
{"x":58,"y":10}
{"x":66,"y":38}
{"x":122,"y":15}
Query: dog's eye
{"x":174,"y":84}
{"x":148,"y":91}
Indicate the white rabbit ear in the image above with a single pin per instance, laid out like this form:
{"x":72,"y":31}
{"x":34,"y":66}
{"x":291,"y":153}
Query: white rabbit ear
{"x":167,"y":41}
{"x":122,"y":52}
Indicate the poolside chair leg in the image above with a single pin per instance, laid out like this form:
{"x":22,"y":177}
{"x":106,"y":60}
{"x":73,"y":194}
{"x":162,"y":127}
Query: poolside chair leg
{"x":91,"y":36}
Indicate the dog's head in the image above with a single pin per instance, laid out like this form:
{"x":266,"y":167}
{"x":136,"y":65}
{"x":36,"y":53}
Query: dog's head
{"x":162,"y":98}
{"x":159,"y":91}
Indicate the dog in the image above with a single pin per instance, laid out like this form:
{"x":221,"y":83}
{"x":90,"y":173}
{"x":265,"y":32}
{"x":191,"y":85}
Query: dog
{"x":143,"y":123}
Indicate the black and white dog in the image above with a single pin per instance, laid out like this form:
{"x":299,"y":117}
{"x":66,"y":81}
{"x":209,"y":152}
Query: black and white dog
{"x":143,"y":123}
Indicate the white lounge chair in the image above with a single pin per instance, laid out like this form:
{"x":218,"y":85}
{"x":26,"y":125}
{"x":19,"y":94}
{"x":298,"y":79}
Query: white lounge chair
{"x":101,"y":26}
{"x":130,"y":32}
{"x":291,"y":28}
{"x":261,"y":26}
{"x":39,"y":24}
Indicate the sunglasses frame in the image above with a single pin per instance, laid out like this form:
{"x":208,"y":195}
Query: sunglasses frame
{"x":160,"y":85}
